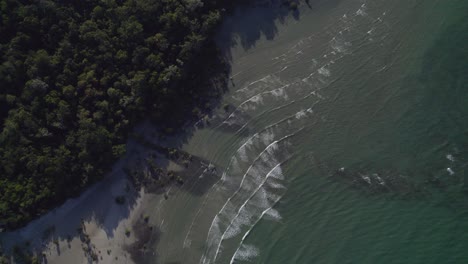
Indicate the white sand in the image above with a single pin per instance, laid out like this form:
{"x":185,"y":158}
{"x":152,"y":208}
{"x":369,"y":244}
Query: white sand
{"x":105,"y":222}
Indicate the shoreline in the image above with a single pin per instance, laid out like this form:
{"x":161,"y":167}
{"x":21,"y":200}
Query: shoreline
{"x":108,"y":225}
{"x":105,"y":222}
{"x":95,"y":225}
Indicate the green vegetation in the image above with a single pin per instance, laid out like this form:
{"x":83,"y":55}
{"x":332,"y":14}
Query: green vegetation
{"x":35,"y":260}
{"x":4,"y":260}
{"x":75,"y":77}
{"x":292,"y":4}
{"x":120,"y":199}
{"x":23,"y":255}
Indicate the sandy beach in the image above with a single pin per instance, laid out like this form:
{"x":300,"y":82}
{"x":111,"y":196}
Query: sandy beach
{"x":113,"y":221}
{"x":93,"y":225}
{"x":105,"y":222}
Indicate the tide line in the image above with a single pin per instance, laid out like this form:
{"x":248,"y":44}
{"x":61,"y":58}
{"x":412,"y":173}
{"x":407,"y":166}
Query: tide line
{"x":245,"y":203}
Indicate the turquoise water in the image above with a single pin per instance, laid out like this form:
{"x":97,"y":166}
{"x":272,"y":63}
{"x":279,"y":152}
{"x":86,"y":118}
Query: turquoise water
{"x":348,"y":142}
{"x":401,"y":124}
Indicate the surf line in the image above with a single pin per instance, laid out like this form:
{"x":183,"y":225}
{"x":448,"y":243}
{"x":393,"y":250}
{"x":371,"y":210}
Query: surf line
{"x":250,"y":230}
{"x":241,"y":184}
{"x":250,"y":99}
{"x":270,"y":111}
{"x":210,"y":231}
{"x":245,"y":203}
{"x":256,"y":96}
{"x":254,"y":82}
{"x":223,"y":177}
{"x":291,"y":102}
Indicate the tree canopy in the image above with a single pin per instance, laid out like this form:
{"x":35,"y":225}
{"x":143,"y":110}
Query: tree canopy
{"x":75,"y":75}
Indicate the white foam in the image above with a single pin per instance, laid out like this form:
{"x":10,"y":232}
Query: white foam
{"x":248,"y":232}
{"x":242,"y":152}
{"x":267,"y":137}
{"x":258,"y":201}
{"x":379,"y":179}
{"x":366,"y":178}
{"x":256,"y":175}
{"x":362,"y":11}
{"x":235,"y":166}
{"x":252,"y":102}
{"x":235,"y":227}
{"x":277,"y":173}
{"x":256,"y":99}
{"x":187,"y":243}
{"x":324,"y":71}
{"x":300,"y":114}
{"x":246,"y":88}
{"x":214,"y":234}
{"x":245,"y":253}
{"x":280,"y":92}
{"x":450,"y":157}
{"x":338,"y":47}
{"x":226,"y":182}
{"x":450,"y":171}
{"x":274,"y":215}
{"x":276,"y":185}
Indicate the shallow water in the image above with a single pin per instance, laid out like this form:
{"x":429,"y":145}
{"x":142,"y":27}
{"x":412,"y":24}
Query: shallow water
{"x":346,"y":143}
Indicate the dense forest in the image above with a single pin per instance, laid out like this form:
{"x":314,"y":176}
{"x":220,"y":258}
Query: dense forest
{"x":75,"y":75}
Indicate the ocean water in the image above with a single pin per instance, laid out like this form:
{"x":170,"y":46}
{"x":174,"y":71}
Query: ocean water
{"x":346,"y":140}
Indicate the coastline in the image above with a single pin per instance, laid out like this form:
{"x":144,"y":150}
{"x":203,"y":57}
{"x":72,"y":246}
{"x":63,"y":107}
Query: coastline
{"x":103,"y":220}
{"x":96,"y":226}
{"x":108,"y":226}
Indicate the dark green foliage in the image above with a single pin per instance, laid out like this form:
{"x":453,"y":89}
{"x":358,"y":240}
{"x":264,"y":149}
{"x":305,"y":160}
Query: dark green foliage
{"x":292,"y":4}
{"x":76,"y":75}
{"x":22,"y":255}
{"x":4,"y":260}
{"x":120,"y":200}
